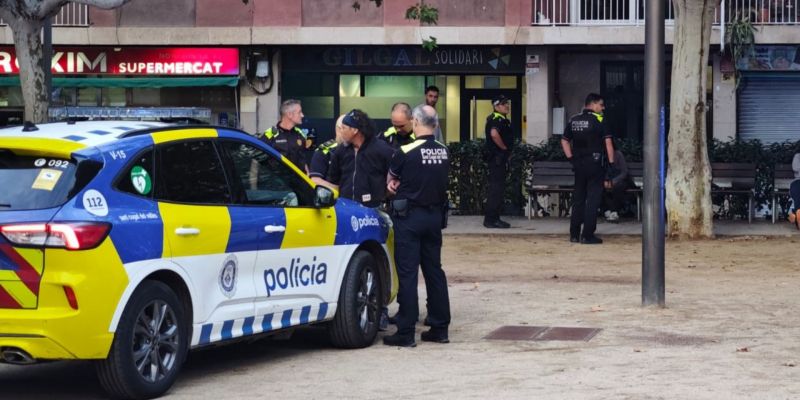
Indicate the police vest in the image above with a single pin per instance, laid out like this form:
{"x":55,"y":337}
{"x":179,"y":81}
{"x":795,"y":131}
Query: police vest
{"x":391,"y":136}
{"x":273,"y":132}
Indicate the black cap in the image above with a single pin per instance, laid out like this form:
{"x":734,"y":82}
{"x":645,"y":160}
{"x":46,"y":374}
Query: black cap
{"x":500,"y":99}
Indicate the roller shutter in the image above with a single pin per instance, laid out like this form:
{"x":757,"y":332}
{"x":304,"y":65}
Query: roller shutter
{"x":768,"y":106}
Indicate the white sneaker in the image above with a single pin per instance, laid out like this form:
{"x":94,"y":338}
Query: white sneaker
{"x":613,"y":216}
{"x":607,"y":214}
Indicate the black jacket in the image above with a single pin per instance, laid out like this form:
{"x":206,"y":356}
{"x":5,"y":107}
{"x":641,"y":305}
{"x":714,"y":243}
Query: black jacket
{"x":361,"y":175}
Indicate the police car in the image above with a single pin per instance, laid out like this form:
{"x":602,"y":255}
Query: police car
{"x":130,"y":243}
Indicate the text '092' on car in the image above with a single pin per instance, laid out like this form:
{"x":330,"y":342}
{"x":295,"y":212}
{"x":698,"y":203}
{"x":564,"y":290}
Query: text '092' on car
{"x":131,"y":243}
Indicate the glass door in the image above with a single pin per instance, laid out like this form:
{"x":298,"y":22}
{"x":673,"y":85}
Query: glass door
{"x":476,"y":106}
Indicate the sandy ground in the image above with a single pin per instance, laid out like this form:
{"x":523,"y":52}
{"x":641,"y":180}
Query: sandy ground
{"x":730,"y":331}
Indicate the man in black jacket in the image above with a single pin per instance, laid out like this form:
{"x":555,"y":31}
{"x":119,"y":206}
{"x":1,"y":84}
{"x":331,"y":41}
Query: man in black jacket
{"x":360,"y":165}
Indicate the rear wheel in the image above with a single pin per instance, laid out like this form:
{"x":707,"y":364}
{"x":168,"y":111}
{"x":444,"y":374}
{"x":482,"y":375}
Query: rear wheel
{"x":149,"y":347}
{"x":355,"y":324}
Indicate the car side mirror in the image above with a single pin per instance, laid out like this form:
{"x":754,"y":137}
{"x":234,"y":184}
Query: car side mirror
{"x":324,"y":197}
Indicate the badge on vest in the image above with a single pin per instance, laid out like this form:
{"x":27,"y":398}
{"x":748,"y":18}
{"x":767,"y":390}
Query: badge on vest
{"x":366,"y":197}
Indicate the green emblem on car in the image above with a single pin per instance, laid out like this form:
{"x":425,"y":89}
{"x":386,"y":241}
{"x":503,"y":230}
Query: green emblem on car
{"x":141,"y":180}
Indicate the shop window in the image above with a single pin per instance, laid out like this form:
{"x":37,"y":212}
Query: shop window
{"x":11,"y":96}
{"x":145,"y":97}
{"x":315,"y":91}
{"x":490,"y":82}
{"x":114,"y":97}
{"x":88,"y":96}
{"x":350,"y":85}
{"x":449,"y":108}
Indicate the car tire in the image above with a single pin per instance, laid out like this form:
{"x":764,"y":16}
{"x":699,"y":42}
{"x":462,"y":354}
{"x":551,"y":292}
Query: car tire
{"x":126,"y":372}
{"x":357,"y":318}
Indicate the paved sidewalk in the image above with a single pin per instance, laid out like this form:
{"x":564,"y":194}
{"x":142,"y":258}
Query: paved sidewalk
{"x":473,"y":225}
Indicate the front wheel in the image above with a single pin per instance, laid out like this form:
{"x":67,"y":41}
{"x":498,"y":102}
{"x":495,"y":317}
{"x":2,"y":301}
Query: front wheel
{"x":355,"y":324}
{"x":149,"y":347}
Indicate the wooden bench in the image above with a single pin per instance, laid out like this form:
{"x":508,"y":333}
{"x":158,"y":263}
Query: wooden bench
{"x":784,"y":175}
{"x":735,"y":178}
{"x":557,"y":177}
{"x":550,"y":177}
{"x":636,"y":172}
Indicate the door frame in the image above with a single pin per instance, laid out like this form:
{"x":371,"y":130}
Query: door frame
{"x":467,"y":96}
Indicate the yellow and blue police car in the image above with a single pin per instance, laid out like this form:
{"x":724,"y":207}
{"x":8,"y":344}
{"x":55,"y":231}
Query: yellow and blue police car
{"x":131,"y":243}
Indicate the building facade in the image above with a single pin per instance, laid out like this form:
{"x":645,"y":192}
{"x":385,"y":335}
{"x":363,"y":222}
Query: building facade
{"x":545,"y":55}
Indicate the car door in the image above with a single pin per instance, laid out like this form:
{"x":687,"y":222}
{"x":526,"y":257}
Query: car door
{"x":194,"y":196}
{"x":297,"y":267}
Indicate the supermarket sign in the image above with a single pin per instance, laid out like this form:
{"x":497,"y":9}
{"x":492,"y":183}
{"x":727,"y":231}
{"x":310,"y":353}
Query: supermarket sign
{"x":134,"y":61}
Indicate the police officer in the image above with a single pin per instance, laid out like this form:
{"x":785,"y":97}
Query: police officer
{"x":499,"y":138}
{"x":586,"y":138}
{"x":401,"y":132}
{"x":321,"y":159}
{"x":418,"y":176}
{"x":286,"y":137}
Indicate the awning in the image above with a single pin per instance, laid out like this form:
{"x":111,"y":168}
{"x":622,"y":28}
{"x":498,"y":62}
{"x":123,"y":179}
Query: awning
{"x":156,"y":82}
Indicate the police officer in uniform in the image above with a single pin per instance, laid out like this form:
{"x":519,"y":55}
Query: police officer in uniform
{"x":586,"y":139}
{"x":499,"y":139}
{"x":286,"y":137}
{"x":401,"y":131}
{"x":418,"y":176}
{"x":321,"y":160}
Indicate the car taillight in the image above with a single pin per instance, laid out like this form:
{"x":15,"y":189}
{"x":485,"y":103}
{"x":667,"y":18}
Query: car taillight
{"x":70,"y":235}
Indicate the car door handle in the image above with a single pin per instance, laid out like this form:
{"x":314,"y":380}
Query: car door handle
{"x":187,"y":231}
{"x":274,"y":228}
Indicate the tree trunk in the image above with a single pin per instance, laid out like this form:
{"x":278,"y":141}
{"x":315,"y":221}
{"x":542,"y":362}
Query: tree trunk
{"x":28,"y":46}
{"x":688,"y":197}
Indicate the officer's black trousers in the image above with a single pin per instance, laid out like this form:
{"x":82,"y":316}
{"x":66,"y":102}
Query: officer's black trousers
{"x":586,"y":198}
{"x":418,"y":242}
{"x":498,"y":169}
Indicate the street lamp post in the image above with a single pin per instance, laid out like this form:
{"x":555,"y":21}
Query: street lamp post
{"x":653,"y":226}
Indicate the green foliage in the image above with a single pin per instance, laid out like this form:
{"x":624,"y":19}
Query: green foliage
{"x":739,"y":39}
{"x":425,"y":14}
{"x":468,"y":171}
{"x":765,"y":158}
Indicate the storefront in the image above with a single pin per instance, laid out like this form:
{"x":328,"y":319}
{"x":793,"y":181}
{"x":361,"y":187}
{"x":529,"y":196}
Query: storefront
{"x":331,"y":80}
{"x":769,"y":93}
{"x":132,"y":77}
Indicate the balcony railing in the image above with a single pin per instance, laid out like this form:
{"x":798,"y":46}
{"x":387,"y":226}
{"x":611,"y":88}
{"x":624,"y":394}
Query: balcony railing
{"x":632,"y":12}
{"x":71,"y":14}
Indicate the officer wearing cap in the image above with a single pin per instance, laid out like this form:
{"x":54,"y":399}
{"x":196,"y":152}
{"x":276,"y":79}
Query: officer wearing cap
{"x":401,"y":132}
{"x":418,"y":176}
{"x":286,"y":137}
{"x":499,"y":139}
{"x":586,"y":139}
{"x":321,"y":159}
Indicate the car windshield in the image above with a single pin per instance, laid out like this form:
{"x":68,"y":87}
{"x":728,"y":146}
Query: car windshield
{"x":33,"y":182}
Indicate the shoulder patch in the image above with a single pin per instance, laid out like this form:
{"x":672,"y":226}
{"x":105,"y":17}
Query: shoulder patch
{"x":412,"y":146}
{"x":269,"y":133}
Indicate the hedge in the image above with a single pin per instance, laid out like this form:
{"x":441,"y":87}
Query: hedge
{"x":468,"y":171}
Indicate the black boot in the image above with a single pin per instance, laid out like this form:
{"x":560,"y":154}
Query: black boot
{"x":400,"y":340}
{"x":436,"y":335}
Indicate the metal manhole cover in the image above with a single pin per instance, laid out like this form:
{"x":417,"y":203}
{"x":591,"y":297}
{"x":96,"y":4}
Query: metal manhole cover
{"x":511,"y":332}
{"x":542,"y":333}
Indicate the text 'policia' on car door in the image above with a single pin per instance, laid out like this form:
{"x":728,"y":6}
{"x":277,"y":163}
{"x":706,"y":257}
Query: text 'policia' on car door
{"x":285,"y":275}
